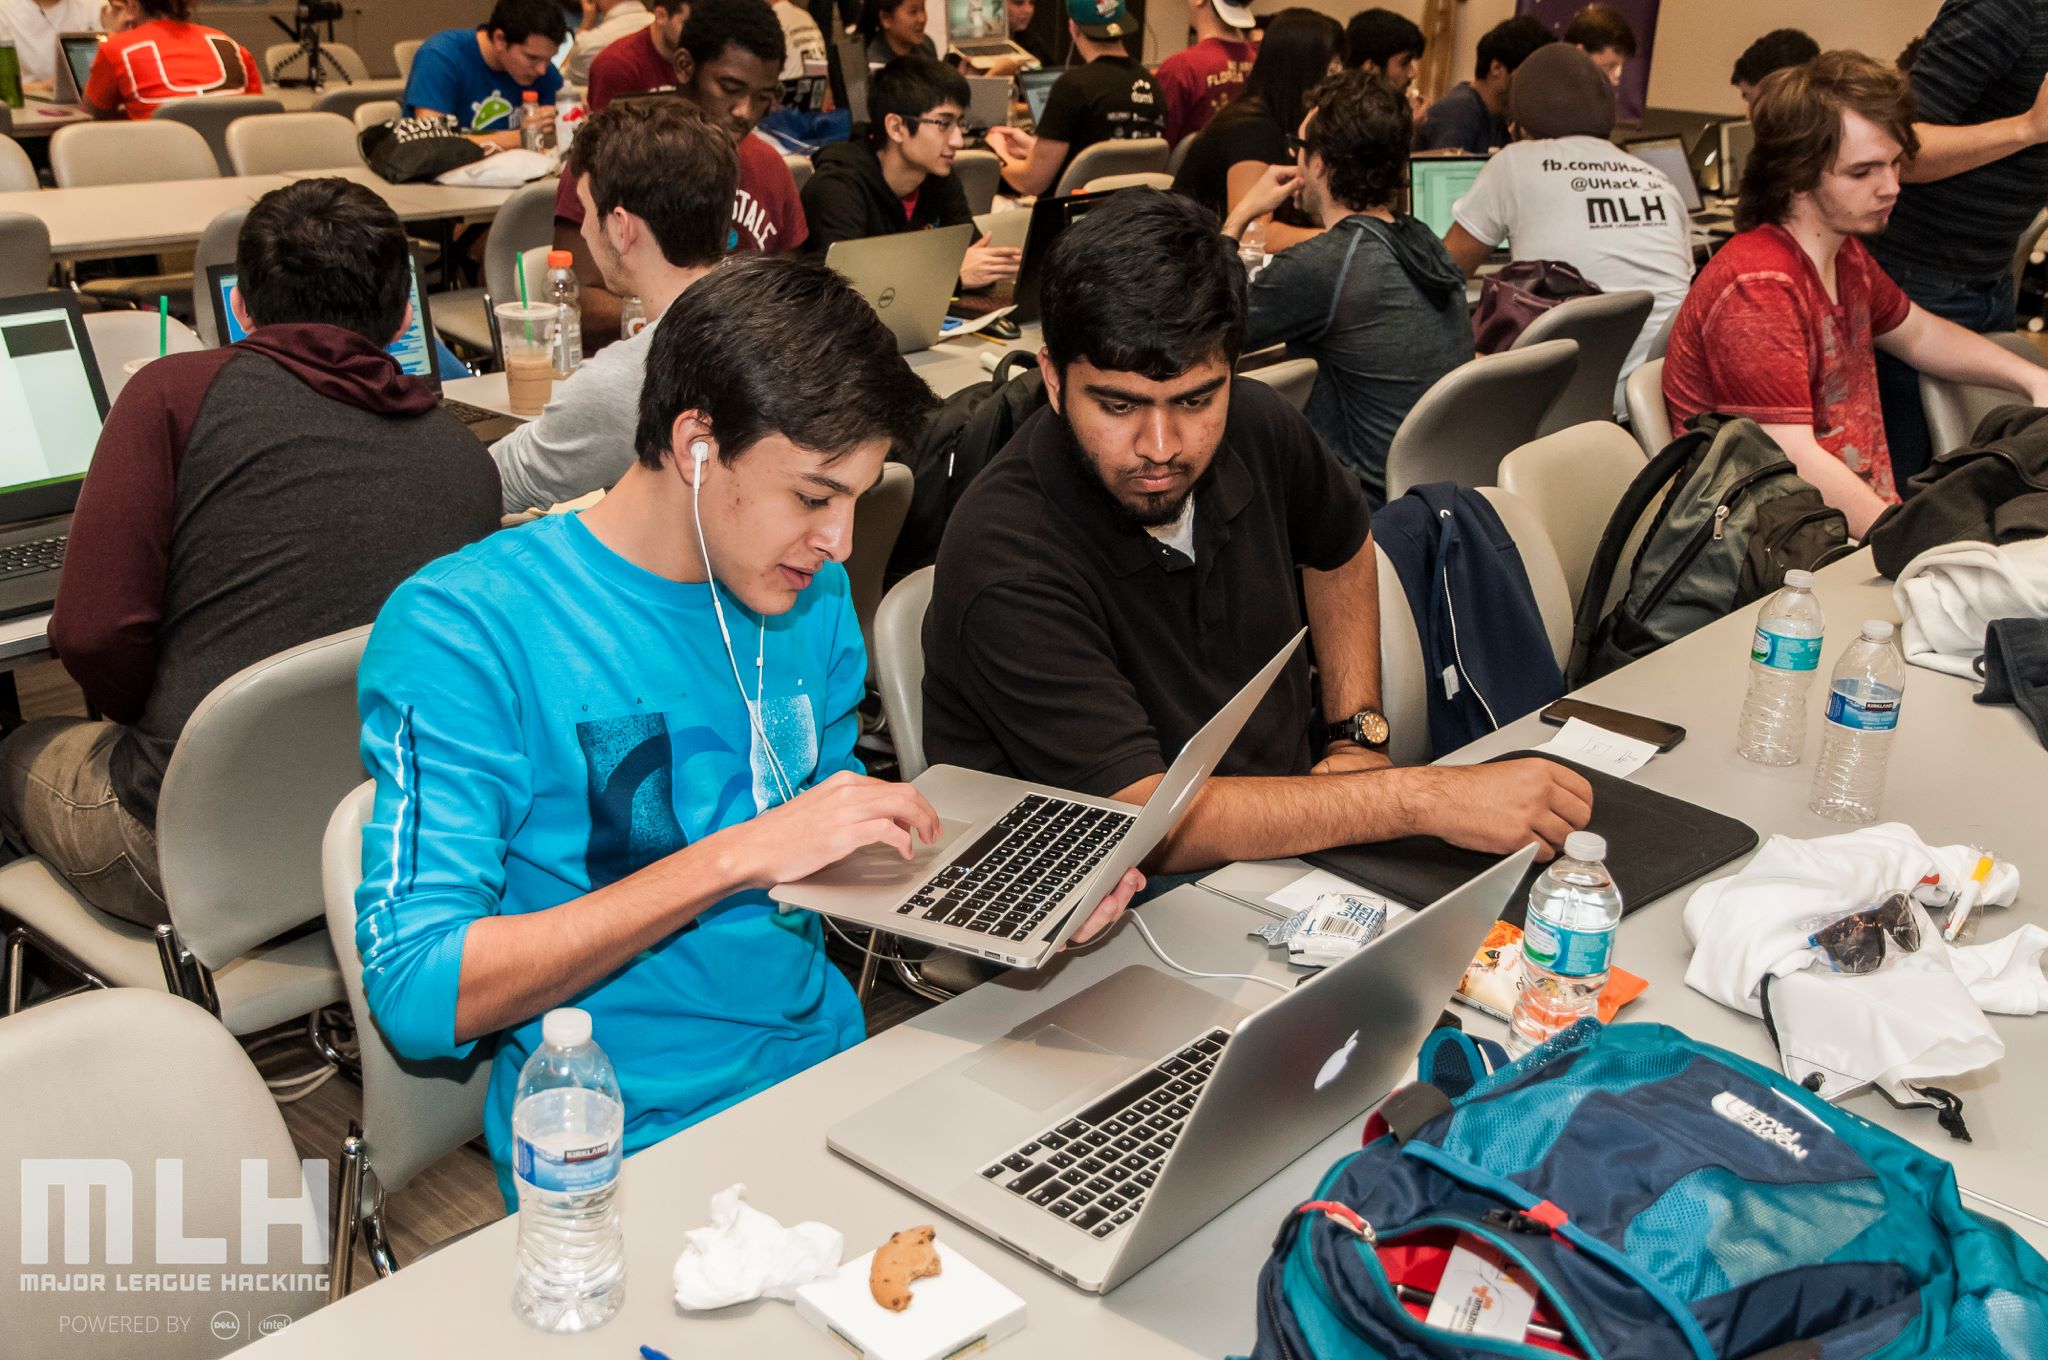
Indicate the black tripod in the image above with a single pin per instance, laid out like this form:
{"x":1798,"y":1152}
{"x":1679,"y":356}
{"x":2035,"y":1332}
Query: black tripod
{"x":309,"y":66}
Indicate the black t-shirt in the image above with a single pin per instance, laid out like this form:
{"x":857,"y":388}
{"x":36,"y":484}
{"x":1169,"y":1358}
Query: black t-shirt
{"x":1066,"y":645}
{"x":1109,"y":98}
{"x":1240,"y":132}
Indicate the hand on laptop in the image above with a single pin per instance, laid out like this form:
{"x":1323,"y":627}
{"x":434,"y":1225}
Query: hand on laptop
{"x":1012,"y":144}
{"x":1110,"y":909}
{"x":824,"y":825}
{"x":986,"y":264}
{"x":1500,"y":808}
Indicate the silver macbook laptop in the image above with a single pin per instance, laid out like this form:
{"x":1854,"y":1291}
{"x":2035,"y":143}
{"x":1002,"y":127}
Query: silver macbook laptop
{"x":1667,"y":156}
{"x":1019,"y":866}
{"x":988,"y":101}
{"x":1103,"y":1131}
{"x":78,"y":51}
{"x":907,"y":278}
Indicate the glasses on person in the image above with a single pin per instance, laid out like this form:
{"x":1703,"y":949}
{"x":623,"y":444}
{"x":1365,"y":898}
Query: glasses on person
{"x":1295,"y":146}
{"x":947,"y":125}
{"x":1856,"y":943}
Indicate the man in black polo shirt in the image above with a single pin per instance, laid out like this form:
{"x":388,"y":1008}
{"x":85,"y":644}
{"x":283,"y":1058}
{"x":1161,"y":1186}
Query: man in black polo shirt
{"x":1145,"y":545}
{"x":1110,"y":98}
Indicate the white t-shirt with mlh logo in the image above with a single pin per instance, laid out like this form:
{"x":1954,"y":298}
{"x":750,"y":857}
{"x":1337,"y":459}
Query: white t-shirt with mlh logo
{"x":1585,"y":201}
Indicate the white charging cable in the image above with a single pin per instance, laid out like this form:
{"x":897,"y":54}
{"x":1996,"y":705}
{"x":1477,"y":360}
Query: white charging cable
{"x":1144,"y":930}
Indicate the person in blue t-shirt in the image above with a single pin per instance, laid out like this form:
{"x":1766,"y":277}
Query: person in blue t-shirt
{"x":599,"y":738}
{"x":479,"y":76}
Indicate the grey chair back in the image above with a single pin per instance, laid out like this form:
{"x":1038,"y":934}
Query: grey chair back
{"x":2023,"y":252}
{"x":124,"y":152}
{"x":1571,"y":481}
{"x":17,"y":171}
{"x":282,"y":61}
{"x":292,"y":141}
{"x":216,"y":246}
{"x":898,"y":660}
{"x":1404,"y":687}
{"x":25,"y":260}
{"x":120,"y":1082}
{"x":414,"y":1113}
{"x":1179,"y":154}
{"x":1953,"y":409}
{"x":877,"y":522}
{"x":1135,"y":156}
{"x":211,"y":116}
{"x":1151,"y":179}
{"x":1648,"y":417}
{"x":346,"y":99}
{"x":799,"y":169}
{"x":374,"y":113}
{"x":980,"y":174}
{"x":255,"y":776}
{"x":1606,"y":327}
{"x":1293,"y":379}
{"x":403,"y":52}
{"x":526,"y":220}
{"x":1476,"y":415}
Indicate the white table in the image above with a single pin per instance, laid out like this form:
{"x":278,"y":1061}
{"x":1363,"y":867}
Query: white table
{"x":38,"y":118}
{"x":1197,"y":1300}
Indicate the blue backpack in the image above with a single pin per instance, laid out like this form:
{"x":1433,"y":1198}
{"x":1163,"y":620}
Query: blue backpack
{"x":1668,"y":1200}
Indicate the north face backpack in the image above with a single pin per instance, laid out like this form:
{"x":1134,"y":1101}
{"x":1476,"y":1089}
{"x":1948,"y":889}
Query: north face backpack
{"x":1737,"y":517}
{"x":1664,"y":1200}
{"x":960,"y":437}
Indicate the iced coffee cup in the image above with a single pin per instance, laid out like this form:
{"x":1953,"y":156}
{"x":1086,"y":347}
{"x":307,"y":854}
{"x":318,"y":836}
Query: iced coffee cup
{"x":526,"y":334}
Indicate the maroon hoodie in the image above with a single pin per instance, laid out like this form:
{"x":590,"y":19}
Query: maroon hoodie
{"x":242,"y":501}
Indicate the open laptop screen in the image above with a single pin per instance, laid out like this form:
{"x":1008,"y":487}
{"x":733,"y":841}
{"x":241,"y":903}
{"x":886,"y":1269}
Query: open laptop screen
{"x":1436,"y":183}
{"x":79,"y":51}
{"x":1037,"y":88}
{"x":1667,"y":156}
{"x":51,"y":405}
{"x":414,"y":350}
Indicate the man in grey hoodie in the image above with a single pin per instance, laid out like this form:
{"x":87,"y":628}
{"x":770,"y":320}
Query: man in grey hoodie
{"x":1375,"y":299}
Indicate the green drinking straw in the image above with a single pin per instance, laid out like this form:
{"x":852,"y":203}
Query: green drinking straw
{"x":163,"y":325}
{"x":525,"y":302}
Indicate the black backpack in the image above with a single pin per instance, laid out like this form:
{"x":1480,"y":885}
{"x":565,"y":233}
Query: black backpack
{"x":1737,"y":517}
{"x":960,"y":437}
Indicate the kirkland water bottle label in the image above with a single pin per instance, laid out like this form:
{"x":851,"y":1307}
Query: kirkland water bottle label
{"x":574,"y":1170}
{"x":1568,"y":953}
{"x":1783,"y":652}
{"x":1878,"y":713}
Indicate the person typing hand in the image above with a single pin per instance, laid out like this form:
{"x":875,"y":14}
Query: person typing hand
{"x":986,"y":264}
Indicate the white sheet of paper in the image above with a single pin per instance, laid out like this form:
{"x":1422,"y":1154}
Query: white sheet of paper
{"x":1478,"y":1296}
{"x":1599,"y":749}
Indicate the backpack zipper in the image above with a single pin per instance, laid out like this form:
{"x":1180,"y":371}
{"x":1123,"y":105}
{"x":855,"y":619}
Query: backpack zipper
{"x":1701,"y":536}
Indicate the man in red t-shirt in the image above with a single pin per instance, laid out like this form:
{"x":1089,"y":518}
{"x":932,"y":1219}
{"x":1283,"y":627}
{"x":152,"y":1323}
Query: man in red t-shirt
{"x":166,"y":57}
{"x":640,"y":61}
{"x":1783,"y":325}
{"x":1202,"y":78}
{"x":729,"y":64}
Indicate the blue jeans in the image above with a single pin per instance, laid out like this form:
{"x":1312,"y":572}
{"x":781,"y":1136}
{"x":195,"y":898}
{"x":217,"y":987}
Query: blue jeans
{"x":1981,"y":305}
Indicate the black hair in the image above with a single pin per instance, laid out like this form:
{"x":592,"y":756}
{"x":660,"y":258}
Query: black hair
{"x":1510,"y":42}
{"x":1774,"y":51}
{"x":742,"y":346}
{"x":1362,"y":129}
{"x":519,"y":20}
{"x":715,"y":25}
{"x":910,"y":87}
{"x":327,"y":251}
{"x":1380,"y":35}
{"x":665,"y":162}
{"x":1295,"y":55}
{"x":1600,"y":28}
{"x":871,"y":14}
{"x":1146,"y":283}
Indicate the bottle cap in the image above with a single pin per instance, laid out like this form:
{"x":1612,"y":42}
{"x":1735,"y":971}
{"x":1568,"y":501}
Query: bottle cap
{"x":1877,"y":630}
{"x":529,"y":97}
{"x":566,"y":1027}
{"x":1801,"y":579}
{"x":561,"y":259}
{"x":1586,"y":845}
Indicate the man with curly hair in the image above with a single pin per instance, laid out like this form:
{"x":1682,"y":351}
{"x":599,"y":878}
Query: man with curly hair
{"x":1375,"y":299}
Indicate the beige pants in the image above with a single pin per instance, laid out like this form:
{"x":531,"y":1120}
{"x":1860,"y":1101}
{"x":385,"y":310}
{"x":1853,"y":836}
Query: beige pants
{"x":57,"y":801}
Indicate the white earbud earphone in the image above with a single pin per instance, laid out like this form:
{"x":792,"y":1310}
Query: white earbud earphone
{"x":700,"y":450}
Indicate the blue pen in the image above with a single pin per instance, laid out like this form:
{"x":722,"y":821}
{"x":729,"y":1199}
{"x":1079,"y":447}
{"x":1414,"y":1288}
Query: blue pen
{"x":649,"y":1353}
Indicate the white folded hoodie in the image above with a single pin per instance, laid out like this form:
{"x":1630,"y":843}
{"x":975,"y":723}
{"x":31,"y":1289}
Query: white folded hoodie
{"x":1948,"y":595}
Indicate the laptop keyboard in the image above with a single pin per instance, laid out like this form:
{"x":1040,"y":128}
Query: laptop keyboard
{"x":1009,"y":880}
{"x":470,"y":415}
{"x":1095,"y":1169}
{"x":37,"y":555}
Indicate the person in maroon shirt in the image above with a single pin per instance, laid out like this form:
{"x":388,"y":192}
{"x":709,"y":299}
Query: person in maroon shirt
{"x":639,"y":62}
{"x":729,"y":64}
{"x":1784,"y":324}
{"x":1203,"y":77}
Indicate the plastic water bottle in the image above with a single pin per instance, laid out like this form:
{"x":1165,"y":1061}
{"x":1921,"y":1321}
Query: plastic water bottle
{"x":569,"y":116}
{"x":566,"y":294}
{"x":534,"y":135}
{"x":1251,"y":247}
{"x":632,"y":316}
{"x":1784,"y":656}
{"x":568,"y":1130}
{"x":1567,"y":943}
{"x":1863,"y":710}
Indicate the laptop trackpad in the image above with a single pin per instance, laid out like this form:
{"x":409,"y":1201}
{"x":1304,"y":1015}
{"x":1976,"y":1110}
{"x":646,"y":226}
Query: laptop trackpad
{"x":1086,"y":1041}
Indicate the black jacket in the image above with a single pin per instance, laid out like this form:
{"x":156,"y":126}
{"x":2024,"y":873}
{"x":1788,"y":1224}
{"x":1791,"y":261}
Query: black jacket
{"x":848,"y":200}
{"x":1993,"y":490}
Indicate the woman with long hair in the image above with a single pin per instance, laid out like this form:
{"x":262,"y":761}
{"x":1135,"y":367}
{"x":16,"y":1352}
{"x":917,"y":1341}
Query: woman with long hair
{"x":894,"y":28}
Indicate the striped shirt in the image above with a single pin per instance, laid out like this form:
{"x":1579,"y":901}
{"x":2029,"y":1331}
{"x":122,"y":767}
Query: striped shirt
{"x":1983,"y":59}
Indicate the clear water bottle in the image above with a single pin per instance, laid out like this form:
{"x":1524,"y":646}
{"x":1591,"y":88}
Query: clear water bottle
{"x":632,"y":316}
{"x":534,"y":134}
{"x":1784,"y":656}
{"x":567,"y":295}
{"x":1567,"y":943}
{"x":568,"y":1132}
{"x":1863,"y":709}
{"x":568,"y":119}
{"x":1251,"y":247}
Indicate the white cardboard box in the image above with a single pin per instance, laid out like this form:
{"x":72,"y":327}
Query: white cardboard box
{"x":959,"y":1311}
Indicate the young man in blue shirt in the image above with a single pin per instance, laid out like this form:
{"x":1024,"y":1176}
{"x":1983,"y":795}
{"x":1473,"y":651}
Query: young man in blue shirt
{"x":598,"y":739}
{"x":479,"y":76}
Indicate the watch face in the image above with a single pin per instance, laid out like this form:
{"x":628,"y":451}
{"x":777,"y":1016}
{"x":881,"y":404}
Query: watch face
{"x":1372,"y":727}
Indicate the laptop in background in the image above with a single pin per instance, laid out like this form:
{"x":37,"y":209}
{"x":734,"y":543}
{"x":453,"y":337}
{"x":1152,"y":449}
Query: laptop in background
{"x":74,"y":72}
{"x":1073,"y":1142}
{"x":1667,"y":156}
{"x":415,"y":350}
{"x":988,"y":101}
{"x":52,"y":405}
{"x":907,"y":278}
{"x":1036,"y":87}
{"x":1737,"y":139}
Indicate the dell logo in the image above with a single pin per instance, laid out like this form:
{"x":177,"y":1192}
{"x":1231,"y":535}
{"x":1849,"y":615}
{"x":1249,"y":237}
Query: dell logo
{"x":888,"y":296}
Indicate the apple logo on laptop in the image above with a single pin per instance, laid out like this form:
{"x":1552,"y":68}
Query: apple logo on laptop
{"x":1334,"y":1064}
